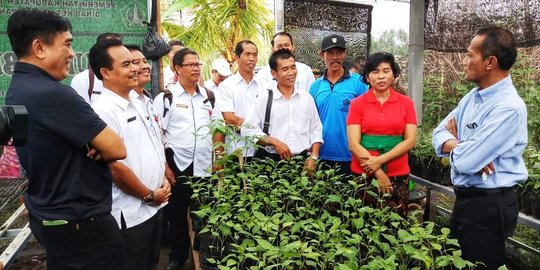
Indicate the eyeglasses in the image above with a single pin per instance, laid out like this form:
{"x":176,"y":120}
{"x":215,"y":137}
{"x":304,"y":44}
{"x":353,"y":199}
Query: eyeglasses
{"x":192,"y":65}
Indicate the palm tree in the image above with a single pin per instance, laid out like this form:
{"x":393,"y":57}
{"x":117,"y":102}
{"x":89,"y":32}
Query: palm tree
{"x":218,"y":25}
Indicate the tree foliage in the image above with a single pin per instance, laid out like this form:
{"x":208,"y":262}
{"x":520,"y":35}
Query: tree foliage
{"x":393,"y":41}
{"x":217,"y":25}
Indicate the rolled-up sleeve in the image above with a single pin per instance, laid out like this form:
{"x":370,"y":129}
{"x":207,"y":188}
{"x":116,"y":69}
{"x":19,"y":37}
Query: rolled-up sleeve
{"x":488,"y":143}
{"x":442,"y":135}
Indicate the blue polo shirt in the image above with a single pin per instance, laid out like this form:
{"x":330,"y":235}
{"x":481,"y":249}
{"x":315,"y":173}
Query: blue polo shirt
{"x":62,"y":182}
{"x":333,"y":102}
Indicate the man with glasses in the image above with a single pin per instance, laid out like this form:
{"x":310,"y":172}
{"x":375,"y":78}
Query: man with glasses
{"x":186,"y":120}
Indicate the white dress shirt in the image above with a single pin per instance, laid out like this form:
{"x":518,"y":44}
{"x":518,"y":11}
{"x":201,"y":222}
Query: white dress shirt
{"x":187,"y":128}
{"x":237,"y":96}
{"x":81,"y":83}
{"x":145,"y":153}
{"x":294,"y":122}
{"x":211,"y":85}
{"x":304,"y":77}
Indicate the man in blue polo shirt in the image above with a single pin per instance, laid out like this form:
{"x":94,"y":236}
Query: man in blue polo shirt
{"x":69,"y":190}
{"x":333,"y":93}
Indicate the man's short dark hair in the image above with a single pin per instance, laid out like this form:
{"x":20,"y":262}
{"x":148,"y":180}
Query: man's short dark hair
{"x":108,"y":35}
{"x":239,"y":49}
{"x":133,"y":47}
{"x":282,"y":54}
{"x":283,"y":33}
{"x":99,"y":57}
{"x":27,"y":24}
{"x":179,"y":56}
{"x":500,"y":43}
{"x":375,"y":60}
{"x":175,"y":42}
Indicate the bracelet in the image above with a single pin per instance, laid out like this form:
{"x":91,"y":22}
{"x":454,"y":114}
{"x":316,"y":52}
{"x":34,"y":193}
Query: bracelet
{"x":149,"y":198}
{"x":314,"y":157}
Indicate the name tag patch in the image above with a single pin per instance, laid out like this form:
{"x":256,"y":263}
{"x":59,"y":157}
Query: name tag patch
{"x":131,"y":119}
{"x":182,"y":106}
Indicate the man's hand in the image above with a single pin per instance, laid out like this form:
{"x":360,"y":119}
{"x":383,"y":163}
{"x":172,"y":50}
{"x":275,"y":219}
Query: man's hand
{"x":451,"y":126}
{"x":488,"y":169}
{"x":169,"y":175}
{"x":166,"y":185}
{"x":371,"y":164}
{"x":93,"y":153}
{"x":161,"y":195}
{"x":310,"y":166}
{"x":281,"y":149}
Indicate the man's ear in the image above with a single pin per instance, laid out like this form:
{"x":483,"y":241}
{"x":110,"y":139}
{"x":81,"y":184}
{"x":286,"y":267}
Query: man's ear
{"x":235,"y":57}
{"x":493,"y":62}
{"x":38,"y":48}
{"x":321,"y":54}
{"x":274,"y":73}
{"x":106,"y":73}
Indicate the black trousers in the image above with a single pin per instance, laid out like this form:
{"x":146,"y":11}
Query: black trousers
{"x":94,"y":243}
{"x":177,"y":210}
{"x":482,"y":219}
{"x":142,"y":243}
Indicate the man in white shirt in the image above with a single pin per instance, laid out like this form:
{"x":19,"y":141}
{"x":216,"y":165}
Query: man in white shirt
{"x":295,"y":127}
{"x":304,"y":78}
{"x":221,"y":69}
{"x":236,"y":95}
{"x":140,"y":187}
{"x":168,"y":73}
{"x":186,"y":122}
{"x":86,"y":83}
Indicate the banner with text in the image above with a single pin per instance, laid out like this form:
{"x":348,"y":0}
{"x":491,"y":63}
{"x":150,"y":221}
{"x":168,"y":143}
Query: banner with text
{"x":89,"y":18}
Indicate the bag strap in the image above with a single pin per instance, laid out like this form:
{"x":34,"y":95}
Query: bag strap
{"x":210,"y":96}
{"x":266,"y":123}
{"x":91,"y":77}
{"x":167,"y":96}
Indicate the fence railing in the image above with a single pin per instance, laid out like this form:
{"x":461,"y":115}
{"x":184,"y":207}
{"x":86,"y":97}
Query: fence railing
{"x":432,"y":209}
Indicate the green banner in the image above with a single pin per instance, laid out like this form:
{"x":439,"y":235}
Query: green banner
{"x":89,"y":19}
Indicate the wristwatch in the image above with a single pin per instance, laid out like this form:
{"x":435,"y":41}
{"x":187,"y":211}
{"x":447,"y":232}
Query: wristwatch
{"x":314,"y":157}
{"x":149,"y":198}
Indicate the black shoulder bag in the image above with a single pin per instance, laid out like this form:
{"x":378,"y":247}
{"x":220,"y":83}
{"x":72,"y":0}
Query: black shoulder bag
{"x":260,"y":152}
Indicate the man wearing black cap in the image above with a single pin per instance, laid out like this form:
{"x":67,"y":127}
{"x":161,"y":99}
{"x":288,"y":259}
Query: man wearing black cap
{"x":333,"y":93}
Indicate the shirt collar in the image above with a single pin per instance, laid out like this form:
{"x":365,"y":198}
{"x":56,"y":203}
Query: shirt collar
{"x":493,"y":90}
{"x":370,"y":96}
{"x":178,"y":90}
{"x":277,"y":94}
{"x":32,"y":69}
{"x":237,"y":78}
{"x":346,"y":74}
{"x":116,"y":99}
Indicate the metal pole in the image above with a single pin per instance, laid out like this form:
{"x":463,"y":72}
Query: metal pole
{"x":279,"y":15}
{"x":416,"y":56}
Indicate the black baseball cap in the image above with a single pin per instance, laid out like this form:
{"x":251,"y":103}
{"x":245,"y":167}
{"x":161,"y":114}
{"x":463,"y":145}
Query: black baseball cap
{"x":333,"y":41}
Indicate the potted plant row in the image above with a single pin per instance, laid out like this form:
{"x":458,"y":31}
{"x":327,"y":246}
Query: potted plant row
{"x":273,"y":215}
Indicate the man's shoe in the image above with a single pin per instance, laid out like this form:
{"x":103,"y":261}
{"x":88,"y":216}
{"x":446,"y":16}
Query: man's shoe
{"x":173,"y":265}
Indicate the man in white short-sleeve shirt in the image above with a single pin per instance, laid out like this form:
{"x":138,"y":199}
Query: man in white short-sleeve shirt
{"x":186,"y":112}
{"x":140,"y":187}
{"x":236,"y":95}
{"x":295,"y":127}
{"x":304,"y":77}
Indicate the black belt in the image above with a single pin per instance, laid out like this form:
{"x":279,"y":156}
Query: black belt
{"x":474,"y":191}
